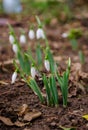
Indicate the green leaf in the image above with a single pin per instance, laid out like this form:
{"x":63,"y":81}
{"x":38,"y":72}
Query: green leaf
{"x":81,"y":57}
{"x":38,"y":21}
{"x":21,"y":60}
{"x":46,"y":85}
{"x":39,"y":55}
{"x":65,"y":89}
{"x":63,"y":82}
{"x":32,"y":83}
{"x":63,"y":128}
{"x":54,"y":90}
{"x":51,"y":60}
{"x":27,"y":65}
{"x":60,"y":79}
{"x":74,"y":44}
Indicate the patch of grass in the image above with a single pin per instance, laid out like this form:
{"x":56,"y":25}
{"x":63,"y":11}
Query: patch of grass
{"x":47,"y":10}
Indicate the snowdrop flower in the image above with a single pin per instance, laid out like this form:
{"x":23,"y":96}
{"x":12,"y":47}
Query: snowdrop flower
{"x":40,"y":33}
{"x":22,"y":39}
{"x":31,"y":34}
{"x":14,"y":76}
{"x":33,"y":71}
{"x":11,"y":39}
{"x":65,"y":35}
{"x":15,"y":48}
{"x":47,"y":64}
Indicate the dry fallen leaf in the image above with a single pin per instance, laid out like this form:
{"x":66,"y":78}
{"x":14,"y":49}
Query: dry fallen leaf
{"x":3,"y":82}
{"x":6,"y":121}
{"x":23,"y":109}
{"x":20,"y":124}
{"x":31,"y":115}
{"x":24,"y":115}
{"x":85,"y":116}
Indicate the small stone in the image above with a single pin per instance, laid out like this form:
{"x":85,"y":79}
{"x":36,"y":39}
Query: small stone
{"x":53,"y":124}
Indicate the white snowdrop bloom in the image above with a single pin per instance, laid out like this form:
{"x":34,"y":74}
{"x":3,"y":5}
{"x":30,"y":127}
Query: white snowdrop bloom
{"x":47,"y":65}
{"x":31,"y":34}
{"x":33,"y":72}
{"x":40,"y":33}
{"x":11,"y":39}
{"x":22,"y":39}
{"x":65,"y":35}
{"x":14,"y":76}
{"x":15,"y":48}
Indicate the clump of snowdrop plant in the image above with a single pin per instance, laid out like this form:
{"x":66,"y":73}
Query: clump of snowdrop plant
{"x":29,"y":68}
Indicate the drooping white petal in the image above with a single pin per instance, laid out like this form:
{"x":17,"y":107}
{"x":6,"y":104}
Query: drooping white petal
{"x":33,"y":72}
{"x":65,"y":35}
{"x":22,"y":39}
{"x":15,"y":48}
{"x":47,"y":65}
{"x":40,"y":33}
{"x":14,"y":76}
{"x":11,"y":39}
{"x":31,"y":34}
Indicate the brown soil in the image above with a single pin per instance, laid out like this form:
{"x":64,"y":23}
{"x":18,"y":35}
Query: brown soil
{"x":13,"y":96}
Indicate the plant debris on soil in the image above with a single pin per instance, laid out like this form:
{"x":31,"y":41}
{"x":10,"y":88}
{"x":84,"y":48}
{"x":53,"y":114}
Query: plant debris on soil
{"x":20,"y":108}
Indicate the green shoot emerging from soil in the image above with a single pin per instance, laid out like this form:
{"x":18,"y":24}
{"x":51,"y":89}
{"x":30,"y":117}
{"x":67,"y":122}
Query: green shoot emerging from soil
{"x":30,"y":68}
{"x":63,"y":82}
{"x":73,"y":35}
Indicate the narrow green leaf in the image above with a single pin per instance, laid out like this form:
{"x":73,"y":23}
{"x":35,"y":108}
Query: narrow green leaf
{"x":21,"y":60}
{"x":54,"y":90}
{"x":32,"y":83}
{"x":60,"y":79}
{"x":74,"y":44}
{"x":27,"y":65}
{"x":49,"y":98}
{"x":81,"y":57}
{"x":39,"y":55}
{"x":51,"y":60}
{"x":65,"y":89}
{"x":64,"y":128}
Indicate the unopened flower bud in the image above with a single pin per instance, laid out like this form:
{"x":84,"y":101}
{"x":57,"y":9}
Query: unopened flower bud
{"x":33,"y":72}
{"x":14,"y":76}
{"x":40,"y":33}
{"x":31,"y":34}
{"x":15,"y":48}
{"x":69,"y":63}
{"x":47,"y":65}
{"x":11,"y":39}
{"x":22,"y":39}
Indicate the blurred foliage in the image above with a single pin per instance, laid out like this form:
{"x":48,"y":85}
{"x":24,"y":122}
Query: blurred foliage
{"x":75,"y":33}
{"x":48,"y":9}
